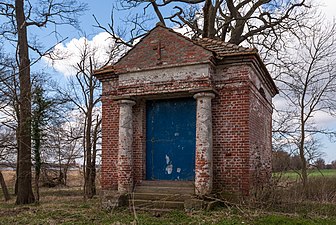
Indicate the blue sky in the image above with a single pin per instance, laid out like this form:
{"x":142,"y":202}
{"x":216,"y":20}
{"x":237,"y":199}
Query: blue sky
{"x":102,"y":10}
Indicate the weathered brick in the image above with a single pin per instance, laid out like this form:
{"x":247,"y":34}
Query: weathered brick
{"x":241,"y":112}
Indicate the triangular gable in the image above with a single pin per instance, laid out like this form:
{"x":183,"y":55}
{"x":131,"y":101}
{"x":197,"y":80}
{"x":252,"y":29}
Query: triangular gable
{"x":162,"y":47}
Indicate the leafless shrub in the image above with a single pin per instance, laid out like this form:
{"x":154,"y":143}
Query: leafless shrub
{"x":286,"y":191}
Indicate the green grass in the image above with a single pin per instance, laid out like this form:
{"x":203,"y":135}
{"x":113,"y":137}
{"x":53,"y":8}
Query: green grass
{"x":65,"y":206}
{"x":292,"y":175}
{"x":280,"y":219}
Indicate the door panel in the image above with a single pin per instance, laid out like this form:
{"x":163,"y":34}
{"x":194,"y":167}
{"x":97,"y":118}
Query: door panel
{"x":170,"y":139}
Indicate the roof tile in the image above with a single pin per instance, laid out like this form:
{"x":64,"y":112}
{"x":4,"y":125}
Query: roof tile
{"x":219,"y":48}
{"x":222,"y":49}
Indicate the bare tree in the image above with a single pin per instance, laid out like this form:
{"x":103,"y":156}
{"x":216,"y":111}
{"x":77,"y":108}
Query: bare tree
{"x":7,"y":145}
{"x":86,"y":100}
{"x":19,"y":17}
{"x":320,"y":163}
{"x":280,"y":161}
{"x":9,"y":108}
{"x":83,"y":92}
{"x":9,"y":95}
{"x":6,"y":155}
{"x":262,"y":22}
{"x":307,"y":80}
{"x":333,"y":164}
{"x":63,"y":146}
{"x":43,"y":113}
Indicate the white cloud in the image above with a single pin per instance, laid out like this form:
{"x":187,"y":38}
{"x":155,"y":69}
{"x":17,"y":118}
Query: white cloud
{"x":280,"y":103}
{"x":71,"y":52}
{"x":329,"y":7}
{"x":324,"y":119}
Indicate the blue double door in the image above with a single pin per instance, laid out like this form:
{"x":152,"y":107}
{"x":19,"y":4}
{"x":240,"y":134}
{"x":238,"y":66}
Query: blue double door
{"x":171,"y":139}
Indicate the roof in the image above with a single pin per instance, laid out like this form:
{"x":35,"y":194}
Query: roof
{"x":105,"y":69}
{"x":222,"y":49}
{"x":218,"y":48}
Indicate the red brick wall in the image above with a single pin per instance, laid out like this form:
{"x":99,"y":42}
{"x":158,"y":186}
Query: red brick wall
{"x":113,"y":88}
{"x":241,"y":134}
{"x":176,"y":50}
{"x":230,"y":130}
{"x":241,"y":115}
{"x":260,"y":125}
{"x":139,"y":143}
{"x":110,"y":124}
{"x":241,"y":131}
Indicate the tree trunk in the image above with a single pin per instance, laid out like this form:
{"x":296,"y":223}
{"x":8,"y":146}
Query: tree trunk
{"x":4,"y":187}
{"x":37,"y":155}
{"x":94,"y":155}
{"x":84,"y":162}
{"x":93,"y":177}
{"x":25,"y":193}
{"x":304,"y":174}
{"x":65,"y":174}
{"x":237,"y":32}
{"x":17,"y":135}
{"x":90,"y":187}
{"x":37,"y":186}
{"x":88,"y":171}
{"x":209,"y":20}
{"x":17,"y":170}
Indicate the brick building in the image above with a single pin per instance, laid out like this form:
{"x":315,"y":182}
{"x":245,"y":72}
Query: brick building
{"x":186,"y":110}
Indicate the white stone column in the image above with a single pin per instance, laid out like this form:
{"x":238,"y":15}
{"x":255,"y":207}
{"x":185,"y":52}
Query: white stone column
{"x":203,"y":162}
{"x":125,"y":154}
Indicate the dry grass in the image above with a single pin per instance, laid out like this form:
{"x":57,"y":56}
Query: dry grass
{"x":281,"y":205}
{"x":319,"y":189}
{"x":75,"y":178}
{"x":9,"y":177}
{"x":66,"y":206}
{"x":287,"y":196}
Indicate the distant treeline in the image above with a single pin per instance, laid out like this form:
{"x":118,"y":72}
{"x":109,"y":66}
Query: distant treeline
{"x":283,"y":161}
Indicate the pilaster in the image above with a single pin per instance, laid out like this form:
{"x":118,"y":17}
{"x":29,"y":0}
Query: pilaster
{"x":125,"y":153}
{"x":204,"y":161}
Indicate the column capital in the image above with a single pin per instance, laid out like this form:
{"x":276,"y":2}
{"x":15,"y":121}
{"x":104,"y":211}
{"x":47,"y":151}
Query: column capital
{"x":204,"y":95}
{"x":126,"y":102}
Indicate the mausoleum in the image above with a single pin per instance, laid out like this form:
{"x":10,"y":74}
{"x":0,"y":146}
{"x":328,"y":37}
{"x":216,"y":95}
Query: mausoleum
{"x":186,"y":111}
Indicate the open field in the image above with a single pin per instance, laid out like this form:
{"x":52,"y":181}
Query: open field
{"x":66,"y":206}
{"x":75,"y":178}
{"x":311,"y":173}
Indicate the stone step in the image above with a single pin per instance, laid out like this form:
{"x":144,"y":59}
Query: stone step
{"x":146,"y":204}
{"x":167,"y":183}
{"x":161,"y":196}
{"x":164,"y":189}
